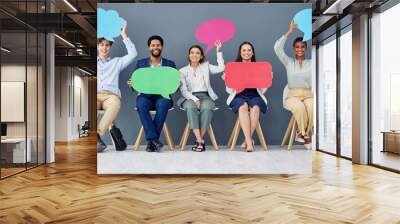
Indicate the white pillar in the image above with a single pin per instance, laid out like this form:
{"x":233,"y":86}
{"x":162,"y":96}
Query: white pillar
{"x":50,"y":94}
{"x":360,"y":90}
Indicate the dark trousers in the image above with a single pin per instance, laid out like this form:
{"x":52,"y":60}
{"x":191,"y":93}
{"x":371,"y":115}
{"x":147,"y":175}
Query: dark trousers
{"x":144,"y":104}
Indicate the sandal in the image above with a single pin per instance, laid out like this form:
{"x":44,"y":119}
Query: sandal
{"x":244,"y":145}
{"x":200,"y":147}
{"x":194,"y":147}
{"x":250,"y":149}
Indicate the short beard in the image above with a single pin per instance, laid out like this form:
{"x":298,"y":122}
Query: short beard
{"x":156,"y":56}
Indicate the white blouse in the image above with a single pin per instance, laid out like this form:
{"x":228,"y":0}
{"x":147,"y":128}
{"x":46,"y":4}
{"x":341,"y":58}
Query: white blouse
{"x":201,"y":81}
{"x":196,"y":80}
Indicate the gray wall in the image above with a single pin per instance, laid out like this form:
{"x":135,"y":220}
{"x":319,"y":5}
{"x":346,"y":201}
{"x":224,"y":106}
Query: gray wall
{"x":261,"y":24}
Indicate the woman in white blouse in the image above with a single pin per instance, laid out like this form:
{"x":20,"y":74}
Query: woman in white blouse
{"x":198,"y":96}
{"x":300,"y":99}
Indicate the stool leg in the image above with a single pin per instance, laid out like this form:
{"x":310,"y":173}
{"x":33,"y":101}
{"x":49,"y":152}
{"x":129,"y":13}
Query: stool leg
{"x":261,"y":136}
{"x":168,"y":137}
{"x":212,"y":137}
{"x":233,"y":133}
{"x":180,"y":142}
{"x":288,"y":129}
{"x":185,"y":137}
{"x":139,"y":139}
{"x":235,"y":136}
{"x":292,"y":135}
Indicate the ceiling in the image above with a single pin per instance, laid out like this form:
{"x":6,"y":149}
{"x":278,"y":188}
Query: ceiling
{"x":75,"y":22}
{"x":72,"y":20}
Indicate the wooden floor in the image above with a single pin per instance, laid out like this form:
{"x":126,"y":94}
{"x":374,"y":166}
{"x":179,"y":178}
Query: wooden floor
{"x":70,"y":191}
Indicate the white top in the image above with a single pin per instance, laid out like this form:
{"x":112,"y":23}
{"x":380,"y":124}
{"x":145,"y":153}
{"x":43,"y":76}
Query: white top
{"x":196,"y":80}
{"x":155,"y":65}
{"x":298,"y":76}
{"x":191,"y":84}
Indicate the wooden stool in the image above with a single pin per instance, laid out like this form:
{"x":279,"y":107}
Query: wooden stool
{"x":101,"y":113}
{"x":292,"y":127}
{"x":235,"y":134}
{"x":167,"y":134}
{"x":186,"y":134}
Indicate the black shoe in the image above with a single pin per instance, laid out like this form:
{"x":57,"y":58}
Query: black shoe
{"x":101,"y":146}
{"x":150,"y":146}
{"x":156,"y":147}
{"x":158,"y":143}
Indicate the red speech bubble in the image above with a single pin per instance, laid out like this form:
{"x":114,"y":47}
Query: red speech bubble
{"x":242,"y":75}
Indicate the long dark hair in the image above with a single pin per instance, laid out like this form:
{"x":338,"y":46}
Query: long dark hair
{"x":239,"y":56}
{"x":201,"y":52}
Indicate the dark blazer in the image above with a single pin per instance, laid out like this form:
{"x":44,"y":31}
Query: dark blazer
{"x":145,"y":63}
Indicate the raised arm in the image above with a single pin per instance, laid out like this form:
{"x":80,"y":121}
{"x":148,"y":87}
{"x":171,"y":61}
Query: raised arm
{"x":214,"y":69}
{"x":130,"y":47}
{"x":279,"y":46}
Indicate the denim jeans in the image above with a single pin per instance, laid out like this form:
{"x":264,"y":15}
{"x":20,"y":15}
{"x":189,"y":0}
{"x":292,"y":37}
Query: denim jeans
{"x":152,"y":126}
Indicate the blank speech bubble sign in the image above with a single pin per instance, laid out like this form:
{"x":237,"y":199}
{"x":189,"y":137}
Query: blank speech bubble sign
{"x":303,"y":20}
{"x":158,"y":80}
{"x":212,"y":30}
{"x":242,"y":75}
{"x":109,"y":24}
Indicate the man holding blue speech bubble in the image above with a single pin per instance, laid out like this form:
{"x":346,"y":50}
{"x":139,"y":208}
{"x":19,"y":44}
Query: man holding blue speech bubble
{"x":154,"y":100}
{"x":108,"y":71}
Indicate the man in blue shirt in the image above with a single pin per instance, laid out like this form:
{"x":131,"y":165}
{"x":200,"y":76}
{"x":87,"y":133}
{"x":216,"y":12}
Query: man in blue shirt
{"x":147,"y":102}
{"x":108,"y":71}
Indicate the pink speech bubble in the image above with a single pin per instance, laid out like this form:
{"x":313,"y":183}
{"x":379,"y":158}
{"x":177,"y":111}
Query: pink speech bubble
{"x":215,"y":29}
{"x":242,"y":75}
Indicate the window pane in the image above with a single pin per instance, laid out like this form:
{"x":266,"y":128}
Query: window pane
{"x":346,"y":94}
{"x":327,"y":96}
{"x":13,"y":85}
{"x":385,"y":114}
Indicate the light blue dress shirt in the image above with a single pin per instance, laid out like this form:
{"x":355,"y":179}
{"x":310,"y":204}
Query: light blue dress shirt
{"x":108,"y":70}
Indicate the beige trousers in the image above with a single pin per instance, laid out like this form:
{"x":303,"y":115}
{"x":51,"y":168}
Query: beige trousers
{"x":300,"y":101}
{"x":111,"y":104}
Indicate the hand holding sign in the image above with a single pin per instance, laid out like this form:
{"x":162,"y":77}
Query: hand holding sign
{"x":303,"y":20}
{"x":215,"y":29}
{"x":158,"y":80}
{"x":109,"y":24}
{"x":242,"y":75}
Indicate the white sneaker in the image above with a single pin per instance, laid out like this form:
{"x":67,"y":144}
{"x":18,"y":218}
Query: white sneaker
{"x":299,"y":139}
{"x":308,"y":146}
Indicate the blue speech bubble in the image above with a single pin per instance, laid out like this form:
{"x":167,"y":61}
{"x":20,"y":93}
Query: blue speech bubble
{"x":303,"y":19}
{"x":109,"y":24}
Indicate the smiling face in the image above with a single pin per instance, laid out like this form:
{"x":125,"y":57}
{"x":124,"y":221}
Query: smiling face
{"x":155,"y":48}
{"x":300,"y":49}
{"x":195,"y":55}
{"x":104,"y":48}
{"x":246,"y":52}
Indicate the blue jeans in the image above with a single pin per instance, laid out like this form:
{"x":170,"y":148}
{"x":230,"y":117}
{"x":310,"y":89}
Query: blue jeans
{"x":144,"y":104}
